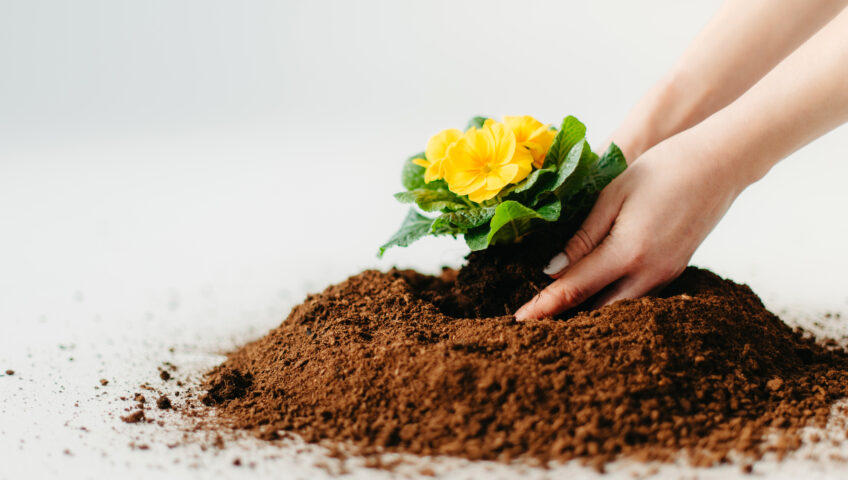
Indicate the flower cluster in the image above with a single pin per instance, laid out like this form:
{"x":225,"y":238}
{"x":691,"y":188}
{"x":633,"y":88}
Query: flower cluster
{"x":498,"y":181}
{"x":482,"y":161}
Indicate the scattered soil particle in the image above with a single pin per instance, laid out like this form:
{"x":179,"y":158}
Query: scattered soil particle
{"x":10,"y":372}
{"x":164,"y":403}
{"x":164,"y":375}
{"x":134,"y":417}
{"x":237,"y":462}
{"x":140,"y":398}
{"x":104,"y":382}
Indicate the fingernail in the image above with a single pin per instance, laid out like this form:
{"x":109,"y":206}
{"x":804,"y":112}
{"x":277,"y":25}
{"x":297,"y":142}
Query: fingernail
{"x":557,"y":264}
{"x":521,"y":314}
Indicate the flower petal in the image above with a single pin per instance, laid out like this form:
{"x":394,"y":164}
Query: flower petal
{"x":475,"y":185}
{"x":494,"y":181}
{"x":504,"y":144}
{"x":481,"y":195}
{"x":461,"y":178}
{"x":434,"y":171}
{"x":522,"y":126}
{"x":508,"y":173}
{"x":439,"y":143}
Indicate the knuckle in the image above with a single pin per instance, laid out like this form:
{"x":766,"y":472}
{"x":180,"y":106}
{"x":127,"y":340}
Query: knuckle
{"x":612,"y":190}
{"x":667,"y":272}
{"x":638,"y":255}
{"x":568,"y":296}
{"x":636,"y":258}
{"x":580,"y":244}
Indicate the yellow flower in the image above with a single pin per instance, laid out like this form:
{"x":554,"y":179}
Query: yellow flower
{"x":437,"y":149}
{"x":482,"y":162}
{"x":532,"y":135}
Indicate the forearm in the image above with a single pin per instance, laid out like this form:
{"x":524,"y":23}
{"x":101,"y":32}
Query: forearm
{"x":802,"y":98}
{"x":744,"y":40}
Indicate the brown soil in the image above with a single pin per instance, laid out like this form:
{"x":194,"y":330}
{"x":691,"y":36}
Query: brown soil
{"x":134,"y":417}
{"x":403,"y":362}
{"x":163,"y":403}
{"x":498,"y":280}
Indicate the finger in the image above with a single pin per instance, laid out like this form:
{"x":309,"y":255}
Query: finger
{"x":630,"y":287}
{"x":627,"y":287}
{"x":596,"y":226}
{"x":588,"y":276}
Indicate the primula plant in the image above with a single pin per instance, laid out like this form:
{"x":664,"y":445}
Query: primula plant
{"x":498,"y":181}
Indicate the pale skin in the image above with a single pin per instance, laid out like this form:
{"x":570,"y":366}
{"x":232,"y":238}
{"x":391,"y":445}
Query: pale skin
{"x":763,"y":79}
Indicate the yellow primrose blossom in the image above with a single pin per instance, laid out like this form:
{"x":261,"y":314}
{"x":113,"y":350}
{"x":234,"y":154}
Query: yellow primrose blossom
{"x":437,"y":149}
{"x":532,"y":135}
{"x":483,"y":161}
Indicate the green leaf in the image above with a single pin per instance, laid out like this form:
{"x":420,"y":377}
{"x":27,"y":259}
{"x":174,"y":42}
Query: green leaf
{"x":414,"y":226}
{"x":570,"y":132}
{"x":551,"y":178}
{"x":606,"y":168}
{"x":412,"y":175}
{"x":575,"y":181}
{"x":535,"y":177}
{"x":463,"y":220}
{"x":550,"y":209}
{"x":512,"y":220}
{"x":432,"y":200}
{"x":476,"y":122}
{"x":477,"y":238}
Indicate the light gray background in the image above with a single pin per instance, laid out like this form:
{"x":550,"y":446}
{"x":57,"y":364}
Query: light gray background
{"x":180,"y":173}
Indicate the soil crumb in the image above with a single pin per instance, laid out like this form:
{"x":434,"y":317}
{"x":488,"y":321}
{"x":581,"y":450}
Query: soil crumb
{"x":104,"y":382}
{"x":394,"y":362}
{"x":10,"y":372}
{"x":163,"y":403}
{"x":134,"y":417}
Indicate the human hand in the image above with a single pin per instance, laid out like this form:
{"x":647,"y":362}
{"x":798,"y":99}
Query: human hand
{"x":648,"y":222}
{"x":643,"y":229}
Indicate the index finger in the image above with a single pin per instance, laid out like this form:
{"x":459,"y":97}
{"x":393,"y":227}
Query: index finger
{"x":586,"y":278}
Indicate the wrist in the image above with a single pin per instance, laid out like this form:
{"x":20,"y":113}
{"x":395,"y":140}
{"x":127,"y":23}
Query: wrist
{"x":672,"y":105}
{"x":724,"y":151}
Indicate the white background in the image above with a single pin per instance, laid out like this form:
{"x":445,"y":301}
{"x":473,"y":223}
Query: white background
{"x":180,"y":173}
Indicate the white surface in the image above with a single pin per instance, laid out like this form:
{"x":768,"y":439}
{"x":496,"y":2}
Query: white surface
{"x":179,"y":174}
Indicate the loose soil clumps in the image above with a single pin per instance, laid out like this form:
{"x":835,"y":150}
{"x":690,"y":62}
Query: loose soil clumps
{"x":405,"y":362}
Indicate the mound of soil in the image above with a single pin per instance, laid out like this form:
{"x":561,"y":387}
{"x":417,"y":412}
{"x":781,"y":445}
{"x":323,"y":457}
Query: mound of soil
{"x":404,"y":362}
